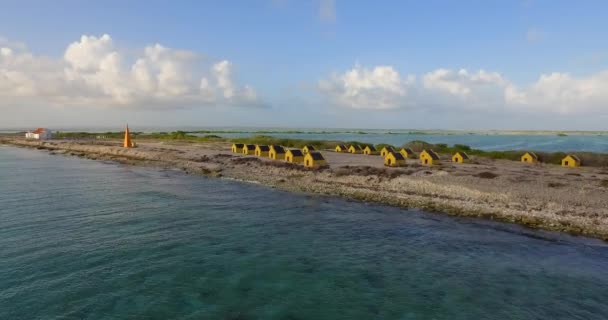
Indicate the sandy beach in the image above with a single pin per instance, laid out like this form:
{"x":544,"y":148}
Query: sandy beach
{"x":572,"y":200}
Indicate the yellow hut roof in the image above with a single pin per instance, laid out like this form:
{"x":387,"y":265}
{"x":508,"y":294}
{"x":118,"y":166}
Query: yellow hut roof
{"x":316,"y":156}
{"x":462,"y":154}
{"x":574,"y":157}
{"x":277,"y":149}
{"x":397,"y":155}
{"x":295,"y":152}
{"x":532,"y":154}
{"x":431,"y":154}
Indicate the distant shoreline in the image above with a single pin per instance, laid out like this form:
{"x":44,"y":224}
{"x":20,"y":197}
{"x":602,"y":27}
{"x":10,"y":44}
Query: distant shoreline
{"x":330,"y":131}
{"x":540,"y":196}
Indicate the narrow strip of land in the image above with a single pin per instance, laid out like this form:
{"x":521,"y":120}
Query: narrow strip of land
{"x":573,"y":200}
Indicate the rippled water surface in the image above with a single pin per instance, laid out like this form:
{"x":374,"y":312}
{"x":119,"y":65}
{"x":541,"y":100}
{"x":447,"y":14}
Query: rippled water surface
{"x":81,"y":239}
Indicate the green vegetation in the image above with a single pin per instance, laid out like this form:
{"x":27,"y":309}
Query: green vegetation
{"x":383,"y":145}
{"x":588,"y":158}
{"x":287,"y":142}
{"x":176,"y":135}
{"x":87,"y":135}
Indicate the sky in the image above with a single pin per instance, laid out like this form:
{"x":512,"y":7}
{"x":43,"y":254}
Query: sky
{"x":511,"y":65}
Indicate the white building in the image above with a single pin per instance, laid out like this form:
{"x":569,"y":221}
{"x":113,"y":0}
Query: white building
{"x":39,"y":134}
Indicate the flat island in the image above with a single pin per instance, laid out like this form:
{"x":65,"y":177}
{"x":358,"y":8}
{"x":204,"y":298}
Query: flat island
{"x":544,"y":196}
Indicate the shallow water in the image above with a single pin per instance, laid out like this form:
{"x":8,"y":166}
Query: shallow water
{"x":81,"y":239}
{"x":548,"y":143}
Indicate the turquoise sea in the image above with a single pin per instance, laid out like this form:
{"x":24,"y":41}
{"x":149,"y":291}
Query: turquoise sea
{"x":81,"y":239}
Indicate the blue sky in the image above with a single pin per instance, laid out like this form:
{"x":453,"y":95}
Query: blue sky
{"x":386,"y":64}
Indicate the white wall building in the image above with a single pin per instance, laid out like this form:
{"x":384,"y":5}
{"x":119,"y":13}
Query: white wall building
{"x":39,"y":134}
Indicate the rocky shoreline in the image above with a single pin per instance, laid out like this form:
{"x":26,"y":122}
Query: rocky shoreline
{"x":543,"y":197}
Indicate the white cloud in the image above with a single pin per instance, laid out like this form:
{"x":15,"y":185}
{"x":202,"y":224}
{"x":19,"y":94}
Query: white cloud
{"x":463,"y":89}
{"x":382,"y":88}
{"x":563,"y":93}
{"x":378,"y":88}
{"x":93,"y":72}
{"x":327,"y":10}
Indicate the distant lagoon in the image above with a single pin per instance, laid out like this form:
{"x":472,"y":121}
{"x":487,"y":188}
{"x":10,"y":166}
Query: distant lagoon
{"x":489,"y":140}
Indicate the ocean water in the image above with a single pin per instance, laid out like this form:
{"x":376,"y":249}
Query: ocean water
{"x":490,"y":142}
{"x":81,"y":239}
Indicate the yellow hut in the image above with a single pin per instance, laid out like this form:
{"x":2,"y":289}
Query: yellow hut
{"x":294,"y":156}
{"x":237,"y":147}
{"x":460,"y":157}
{"x":341,"y":148}
{"x":262,"y":150}
{"x":571,"y":161}
{"x":249,"y":149}
{"x":308,"y":149}
{"x":127,"y":143}
{"x":370,"y":150}
{"x":314,"y":159}
{"x":386,"y":150}
{"x":355,"y":149}
{"x":394,"y":159}
{"x":429,"y":157}
{"x":529,"y":157}
{"x":276,"y":152}
{"x":407,"y":153}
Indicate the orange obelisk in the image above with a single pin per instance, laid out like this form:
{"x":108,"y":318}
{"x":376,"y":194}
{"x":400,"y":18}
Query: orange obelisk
{"x":127,"y":143}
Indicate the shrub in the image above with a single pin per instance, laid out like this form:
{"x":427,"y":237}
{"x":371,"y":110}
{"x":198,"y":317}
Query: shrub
{"x":202,"y":159}
{"x":383,"y":145}
{"x":462,"y":147}
{"x":486,"y":175}
{"x":418,"y":145}
{"x":368,"y":171}
{"x":285,"y":165}
{"x":555,"y":185}
{"x":245,"y":160}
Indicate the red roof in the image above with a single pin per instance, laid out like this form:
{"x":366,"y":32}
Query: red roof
{"x":40,"y":130}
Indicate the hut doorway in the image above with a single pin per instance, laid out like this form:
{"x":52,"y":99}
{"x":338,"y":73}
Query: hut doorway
{"x":566,"y":163}
{"x":426,"y":161}
{"x":389,"y":161}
